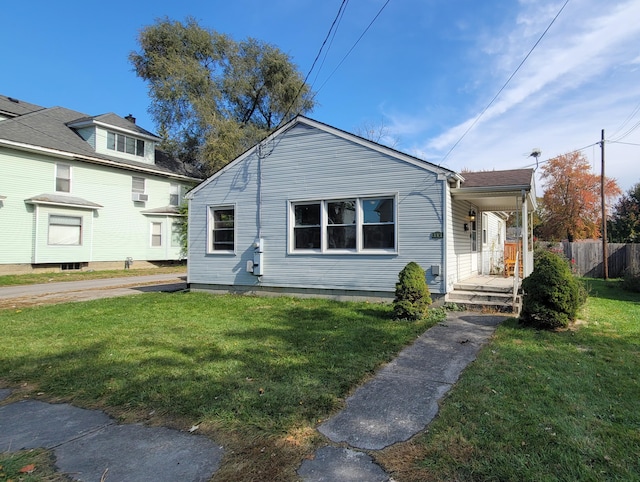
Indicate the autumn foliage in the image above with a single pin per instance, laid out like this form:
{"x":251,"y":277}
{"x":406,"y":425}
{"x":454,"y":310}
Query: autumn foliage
{"x":572,"y":201}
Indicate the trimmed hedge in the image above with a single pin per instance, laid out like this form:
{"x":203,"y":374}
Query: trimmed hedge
{"x":552,"y":294}
{"x":412,"y":293}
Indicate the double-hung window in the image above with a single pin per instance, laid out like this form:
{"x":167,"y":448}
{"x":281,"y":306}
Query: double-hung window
{"x":221,"y":230}
{"x":65,"y":230}
{"x":174,"y":194}
{"x":156,"y":235}
{"x":361,"y":225}
{"x":63,"y":178}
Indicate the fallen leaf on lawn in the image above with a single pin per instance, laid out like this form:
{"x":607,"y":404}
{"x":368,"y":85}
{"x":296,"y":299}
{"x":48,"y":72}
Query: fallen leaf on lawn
{"x":194,"y":428}
{"x":27,"y":469}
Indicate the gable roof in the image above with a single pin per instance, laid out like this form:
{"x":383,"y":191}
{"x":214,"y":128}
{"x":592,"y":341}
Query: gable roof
{"x":111,"y":120}
{"x":340,"y":133}
{"x":48,"y":130}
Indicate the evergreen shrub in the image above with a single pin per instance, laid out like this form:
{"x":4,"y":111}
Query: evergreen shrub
{"x":552,"y":294}
{"x":412,"y":293}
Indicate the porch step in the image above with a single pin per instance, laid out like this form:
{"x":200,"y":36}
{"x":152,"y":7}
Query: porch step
{"x":483,"y":288}
{"x":483,"y":299}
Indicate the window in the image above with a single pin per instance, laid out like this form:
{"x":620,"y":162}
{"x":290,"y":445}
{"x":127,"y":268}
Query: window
{"x":122,"y":143}
{"x":174,"y":195}
{"x":353,"y":225}
{"x":176,"y":234}
{"x":485,"y":228}
{"x":137,"y":184}
{"x":307,"y":226}
{"x":63,"y":178}
{"x":156,"y":235}
{"x":221,"y":229}
{"x":65,"y":230}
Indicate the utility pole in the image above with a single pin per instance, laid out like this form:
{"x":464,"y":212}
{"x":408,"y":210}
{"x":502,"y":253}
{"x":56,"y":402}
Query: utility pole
{"x":605,"y":256}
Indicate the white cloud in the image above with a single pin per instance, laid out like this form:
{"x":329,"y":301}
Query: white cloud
{"x":577,"y":81}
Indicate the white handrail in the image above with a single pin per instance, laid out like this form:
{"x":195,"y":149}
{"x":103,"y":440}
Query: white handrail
{"x":516,"y":277}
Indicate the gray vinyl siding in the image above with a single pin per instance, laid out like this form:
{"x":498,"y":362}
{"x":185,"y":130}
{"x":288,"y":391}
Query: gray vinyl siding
{"x":305,"y":163}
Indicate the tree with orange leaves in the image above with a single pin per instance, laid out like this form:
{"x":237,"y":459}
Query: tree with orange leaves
{"x":572,"y":202}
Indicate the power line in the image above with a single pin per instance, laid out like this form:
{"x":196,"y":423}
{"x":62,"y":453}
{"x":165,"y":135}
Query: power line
{"x":343,"y":6}
{"x":354,"y":45}
{"x":626,"y":121}
{"x":505,"y":84}
{"x":565,"y":154}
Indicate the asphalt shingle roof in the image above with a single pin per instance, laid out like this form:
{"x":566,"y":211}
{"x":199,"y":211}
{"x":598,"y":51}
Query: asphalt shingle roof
{"x":15,"y":107}
{"x":513,"y":177}
{"x":48,"y":128}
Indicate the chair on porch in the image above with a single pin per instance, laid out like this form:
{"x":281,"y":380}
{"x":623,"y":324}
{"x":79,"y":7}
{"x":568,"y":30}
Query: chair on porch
{"x":512,"y":251}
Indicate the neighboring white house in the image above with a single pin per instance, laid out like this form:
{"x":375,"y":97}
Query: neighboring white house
{"x":313,"y":210}
{"x":80,"y":192}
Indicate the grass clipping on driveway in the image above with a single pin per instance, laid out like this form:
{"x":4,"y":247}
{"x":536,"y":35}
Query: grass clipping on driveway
{"x":256,"y":374}
{"x":544,"y":406}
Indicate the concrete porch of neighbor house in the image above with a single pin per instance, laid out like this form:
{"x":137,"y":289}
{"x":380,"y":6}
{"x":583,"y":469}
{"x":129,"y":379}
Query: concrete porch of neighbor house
{"x":486,"y":292}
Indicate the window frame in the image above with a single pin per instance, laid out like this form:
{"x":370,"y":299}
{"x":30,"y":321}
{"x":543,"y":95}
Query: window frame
{"x":360,"y":226}
{"x":79,"y":226}
{"x":211,"y":209}
{"x":174,"y":187}
{"x":153,"y":235}
{"x":123,"y":143}
{"x":58,"y":177}
{"x":136,"y":190}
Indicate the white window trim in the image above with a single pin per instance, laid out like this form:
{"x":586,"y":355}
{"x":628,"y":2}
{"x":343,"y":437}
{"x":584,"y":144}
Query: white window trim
{"x":151,"y":234}
{"x":144,"y":184}
{"x":178,"y":191}
{"x":359,"y":249}
{"x":59,"y":245}
{"x":55,"y":180}
{"x":209,"y":239}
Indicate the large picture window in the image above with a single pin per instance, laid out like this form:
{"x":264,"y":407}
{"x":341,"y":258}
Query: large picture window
{"x":344,"y":225}
{"x":221,"y":229}
{"x":65,"y":230}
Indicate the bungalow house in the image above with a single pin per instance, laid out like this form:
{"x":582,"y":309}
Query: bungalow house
{"x":316,"y":211}
{"x":81,"y":192}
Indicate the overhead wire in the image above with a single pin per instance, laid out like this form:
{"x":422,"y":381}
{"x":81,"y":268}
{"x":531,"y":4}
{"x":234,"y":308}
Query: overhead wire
{"x":343,"y":6}
{"x":475,"y":121}
{"x":354,"y":45}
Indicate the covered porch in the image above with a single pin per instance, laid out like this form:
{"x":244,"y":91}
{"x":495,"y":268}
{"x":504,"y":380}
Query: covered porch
{"x":501,"y":193}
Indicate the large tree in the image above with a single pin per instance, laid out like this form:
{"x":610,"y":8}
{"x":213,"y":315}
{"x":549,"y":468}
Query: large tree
{"x":572,"y":201}
{"x":624,"y":225}
{"x":213,"y":97}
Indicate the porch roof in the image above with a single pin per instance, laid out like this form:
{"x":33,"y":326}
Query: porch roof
{"x":498,"y":190}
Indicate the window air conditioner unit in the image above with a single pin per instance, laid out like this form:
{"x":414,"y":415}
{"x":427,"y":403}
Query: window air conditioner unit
{"x":138,"y":196}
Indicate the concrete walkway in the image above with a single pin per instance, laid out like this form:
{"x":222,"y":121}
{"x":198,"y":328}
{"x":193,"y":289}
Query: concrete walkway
{"x":400,"y":401}
{"x":90,"y":446}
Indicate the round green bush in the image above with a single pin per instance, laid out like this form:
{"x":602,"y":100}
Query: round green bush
{"x":552,"y":294}
{"x":412,"y":293}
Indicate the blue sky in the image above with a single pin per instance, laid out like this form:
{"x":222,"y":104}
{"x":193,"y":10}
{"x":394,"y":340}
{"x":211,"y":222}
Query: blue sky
{"x":425,"y":69}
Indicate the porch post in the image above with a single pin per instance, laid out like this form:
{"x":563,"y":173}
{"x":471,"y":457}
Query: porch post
{"x":525,"y":236}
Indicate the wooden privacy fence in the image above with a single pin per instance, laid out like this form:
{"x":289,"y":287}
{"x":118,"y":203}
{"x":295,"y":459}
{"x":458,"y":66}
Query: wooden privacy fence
{"x":586,"y":258}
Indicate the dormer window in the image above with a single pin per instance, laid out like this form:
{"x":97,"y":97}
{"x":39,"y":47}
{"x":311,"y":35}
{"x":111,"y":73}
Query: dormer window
{"x":122,"y":143}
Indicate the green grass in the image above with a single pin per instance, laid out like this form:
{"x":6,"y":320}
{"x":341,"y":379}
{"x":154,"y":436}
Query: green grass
{"x":258,"y":373}
{"x":544,"y":406}
{"x":37,"y":278}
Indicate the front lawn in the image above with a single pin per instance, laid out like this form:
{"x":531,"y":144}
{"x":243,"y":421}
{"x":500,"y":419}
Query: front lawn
{"x":255,"y":374}
{"x":543,"y":406}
